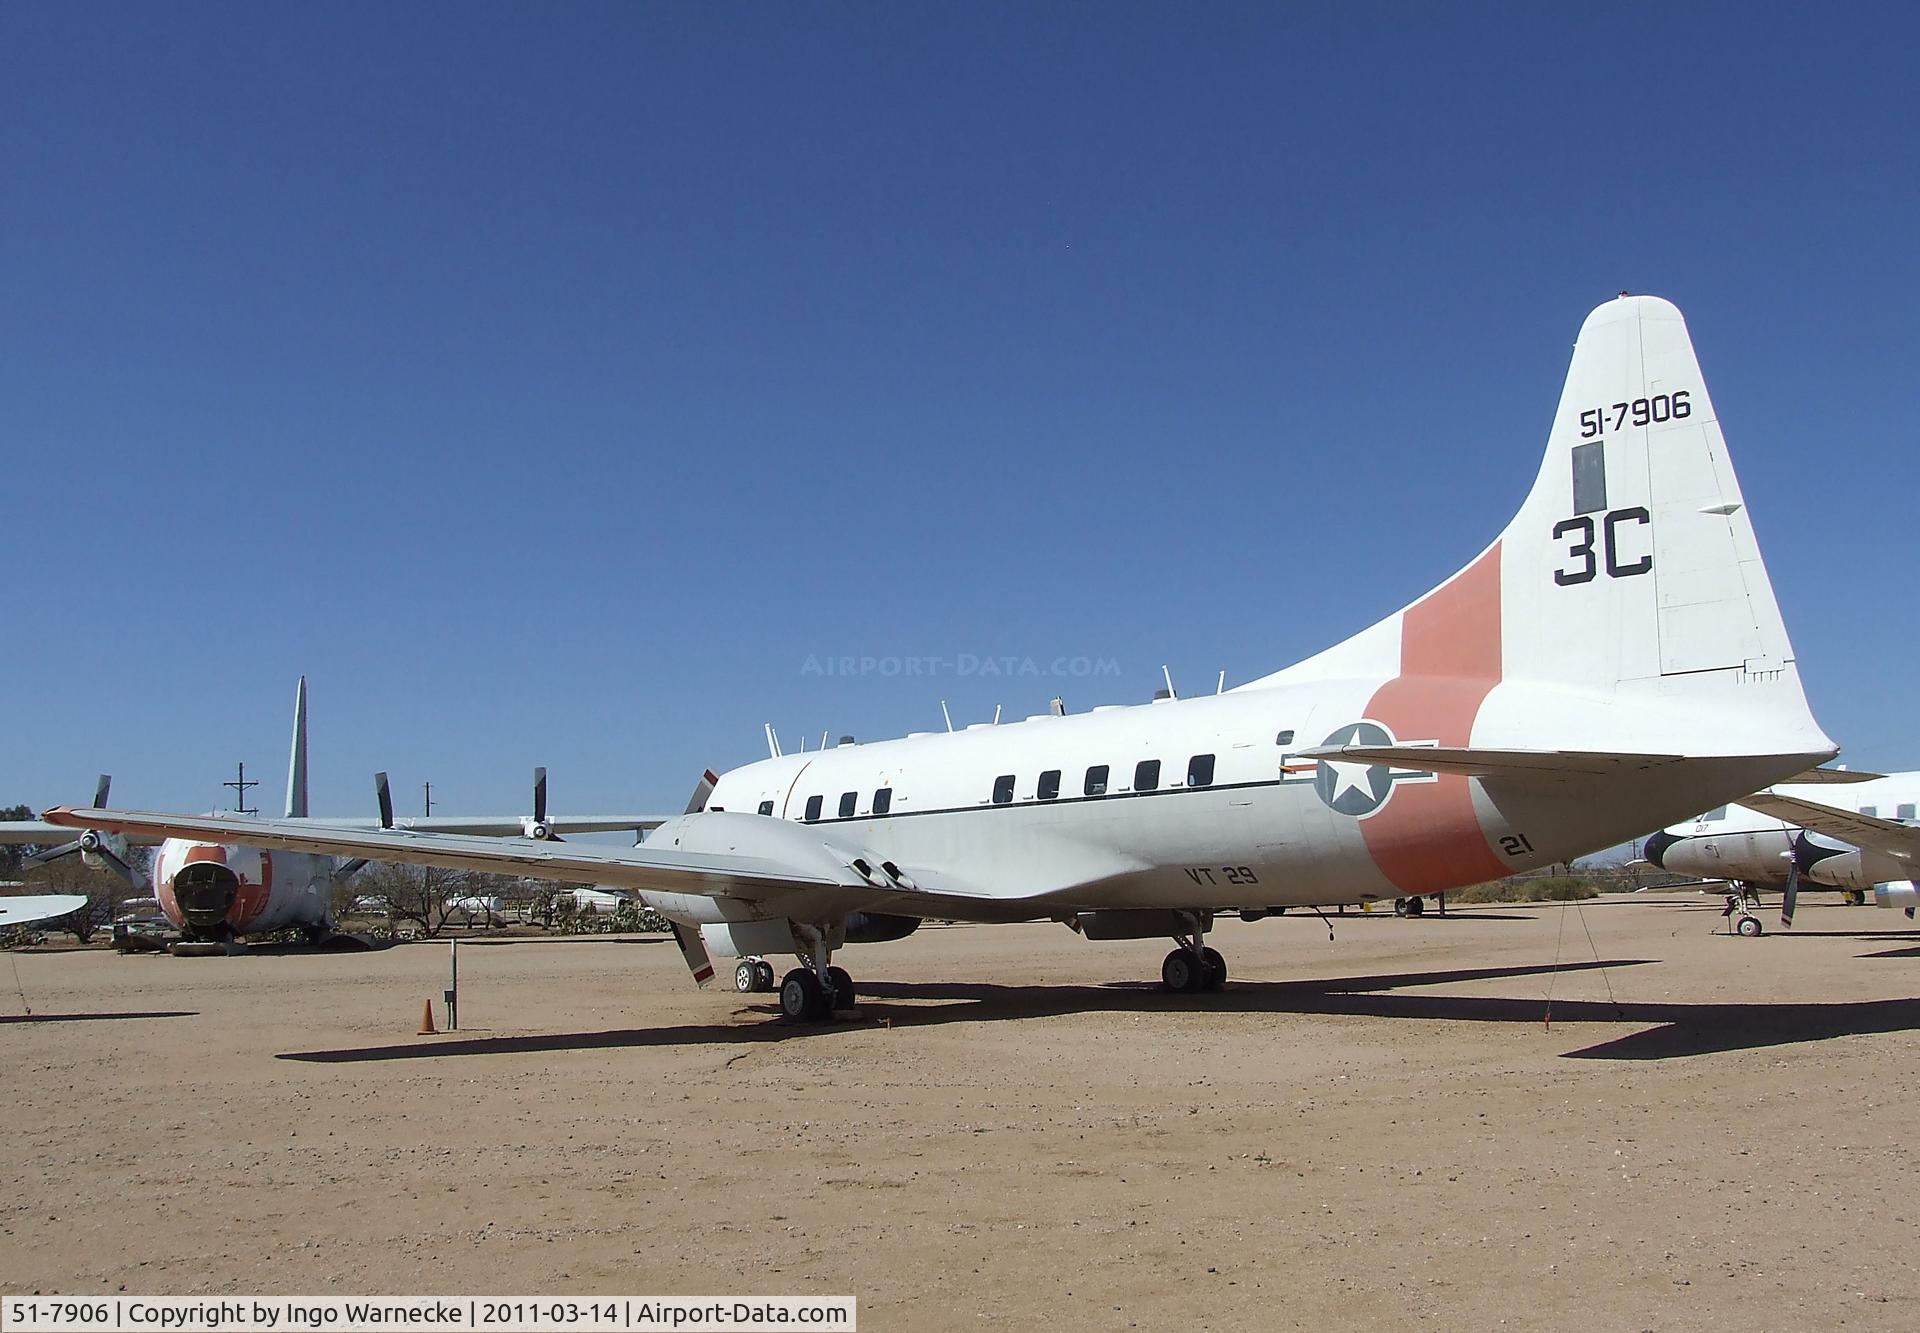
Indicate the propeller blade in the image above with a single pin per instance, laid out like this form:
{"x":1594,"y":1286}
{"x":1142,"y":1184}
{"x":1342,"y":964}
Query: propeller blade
{"x":100,"y":790}
{"x":53,"y":853}
{"x":1792,"y":897}
{"x":384,"y":794}
{"x":126,"y":872}
{"x":539,"y":795}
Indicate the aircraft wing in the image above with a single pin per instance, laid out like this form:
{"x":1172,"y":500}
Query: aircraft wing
{"x":51,"y":835}
{"x":1886,"y":836}
{"x":27,"y":909}
{"x":716,"y":854}
{"x":1472,"y":762}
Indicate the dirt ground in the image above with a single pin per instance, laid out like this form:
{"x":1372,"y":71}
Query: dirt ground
{"x":1018,"y":1132}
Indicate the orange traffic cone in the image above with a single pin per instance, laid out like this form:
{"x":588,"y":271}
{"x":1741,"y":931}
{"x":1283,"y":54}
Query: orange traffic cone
{"x":427,"y":1029}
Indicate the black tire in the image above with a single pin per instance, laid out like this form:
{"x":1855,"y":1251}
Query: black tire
{"x":763,"y":974}
{"x":746,"y":976}
{"x":801,"y":998}
{"x":1855,"y":897}
{"x":1416,"y":906}
{"x":1399,"y":906}
{"x":1750,"y":927}
{"x":1182,"y":972}
{"x":842,"y":986}
{"x":1216,"y":975}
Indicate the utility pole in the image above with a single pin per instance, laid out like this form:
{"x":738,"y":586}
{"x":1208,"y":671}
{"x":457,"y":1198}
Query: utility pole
{"x":429,"y":787}
{"x":240,"y":786}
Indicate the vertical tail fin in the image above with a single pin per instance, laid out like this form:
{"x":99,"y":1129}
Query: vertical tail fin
{"x":297,"y":761}
{"x":1631,"y":569}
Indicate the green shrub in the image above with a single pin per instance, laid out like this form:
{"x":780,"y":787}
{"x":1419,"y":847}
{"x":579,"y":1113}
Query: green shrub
{"x":1528,"y":889}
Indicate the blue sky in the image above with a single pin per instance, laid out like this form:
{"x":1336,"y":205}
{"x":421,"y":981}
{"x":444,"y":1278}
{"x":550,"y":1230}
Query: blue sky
{"x":554,"y":384}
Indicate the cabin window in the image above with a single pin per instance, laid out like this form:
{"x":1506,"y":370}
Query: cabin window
{"x":1003,"y":789}
{"x":883,"y":800}
{"x":1870,"y":811}
{"x":766,"y":807}
{"x":1284,"y":738}
{"x":1049,"y":785}
{"x":847,"y":801}
{"x":1146,"y":775}
{"x":813,"y":808}
{"x":1097,"y":780}
{"x":1200,"y":771}
{"x":1904,"y":811}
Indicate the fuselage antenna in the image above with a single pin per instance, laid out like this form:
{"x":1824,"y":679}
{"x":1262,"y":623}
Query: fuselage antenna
{"x":996,"y":715}
{"x":773,"y":742}
{"x":1221,"y":688}
{"x":944,"y":713}
{"x":1171,"y":692}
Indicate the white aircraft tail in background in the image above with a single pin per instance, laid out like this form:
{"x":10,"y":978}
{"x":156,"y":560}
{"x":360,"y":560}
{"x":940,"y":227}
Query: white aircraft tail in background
{"x":1612,"y":662}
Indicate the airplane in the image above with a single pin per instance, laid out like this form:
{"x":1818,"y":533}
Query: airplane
{"x":216,"y":891}
{"x":1763,"y":843}
{"x":1612,"y":659}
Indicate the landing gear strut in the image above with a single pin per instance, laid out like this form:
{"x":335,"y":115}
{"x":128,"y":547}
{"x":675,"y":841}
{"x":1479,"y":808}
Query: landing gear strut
{"x":1193,"y":967}
{"x":1743,"y":900}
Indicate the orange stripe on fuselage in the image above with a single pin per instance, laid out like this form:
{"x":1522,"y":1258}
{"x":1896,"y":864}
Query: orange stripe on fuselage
{"x":1426,"y":837}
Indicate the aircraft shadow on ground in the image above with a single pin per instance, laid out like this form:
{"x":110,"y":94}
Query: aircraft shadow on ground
{"x":98,"y":1018}
{"x":1668,"y":1031}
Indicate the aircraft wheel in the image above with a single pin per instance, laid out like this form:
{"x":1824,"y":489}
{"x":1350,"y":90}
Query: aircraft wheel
{"x":1749,"y":926}
{"x":1216,"y":973}
{"x":801,"y":998}
{"x":842,"y":986}
{"x":1182,"y":972}
{"x":762,"y":974}
{"x":1399,"y":906}
{"x":1854,"y":897}
{"x":746,"y":976}
{"x":1416,"y":906}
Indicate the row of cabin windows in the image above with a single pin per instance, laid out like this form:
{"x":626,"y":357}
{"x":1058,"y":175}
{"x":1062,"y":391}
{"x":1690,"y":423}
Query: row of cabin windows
{"x":1146,"y":777}
{"x":849,"y":802}
{"x":1903,"y":811}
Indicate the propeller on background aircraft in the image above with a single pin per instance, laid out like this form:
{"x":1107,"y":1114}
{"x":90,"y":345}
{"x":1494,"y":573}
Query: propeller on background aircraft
{"x":537,"y":827}
{"x":95,"y":848}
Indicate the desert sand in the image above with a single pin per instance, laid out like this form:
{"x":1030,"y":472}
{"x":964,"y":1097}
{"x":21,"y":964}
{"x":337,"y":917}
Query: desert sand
{"x":1018,"y":1131}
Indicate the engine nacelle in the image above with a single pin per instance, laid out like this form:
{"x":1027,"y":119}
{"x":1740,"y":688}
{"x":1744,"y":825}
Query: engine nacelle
{"x":1141,"y":923}
{"x":1901,"y":893}
{"x":879,"y":927}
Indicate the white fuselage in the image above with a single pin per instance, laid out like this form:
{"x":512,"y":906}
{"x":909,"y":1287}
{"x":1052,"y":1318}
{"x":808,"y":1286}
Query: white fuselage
{"x":1230,"y":821}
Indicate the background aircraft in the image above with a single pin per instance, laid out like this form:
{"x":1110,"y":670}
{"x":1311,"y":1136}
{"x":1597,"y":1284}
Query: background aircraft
{"x":1613,"y":658}
{"x":1792,"y":837}
{"x":214,"y":891}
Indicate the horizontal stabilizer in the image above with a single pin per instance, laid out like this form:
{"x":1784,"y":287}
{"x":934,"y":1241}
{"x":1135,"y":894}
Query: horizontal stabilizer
{"x":1820,"y":777}
{"x":1885,"y":836}
{"x":1468,"y":761}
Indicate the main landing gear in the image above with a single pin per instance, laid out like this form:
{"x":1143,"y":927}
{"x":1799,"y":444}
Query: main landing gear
{"x":1414,"y":906}
{"x":1193,"y":967}
{"x":816,"y":991}
{"x":753,"y":976}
